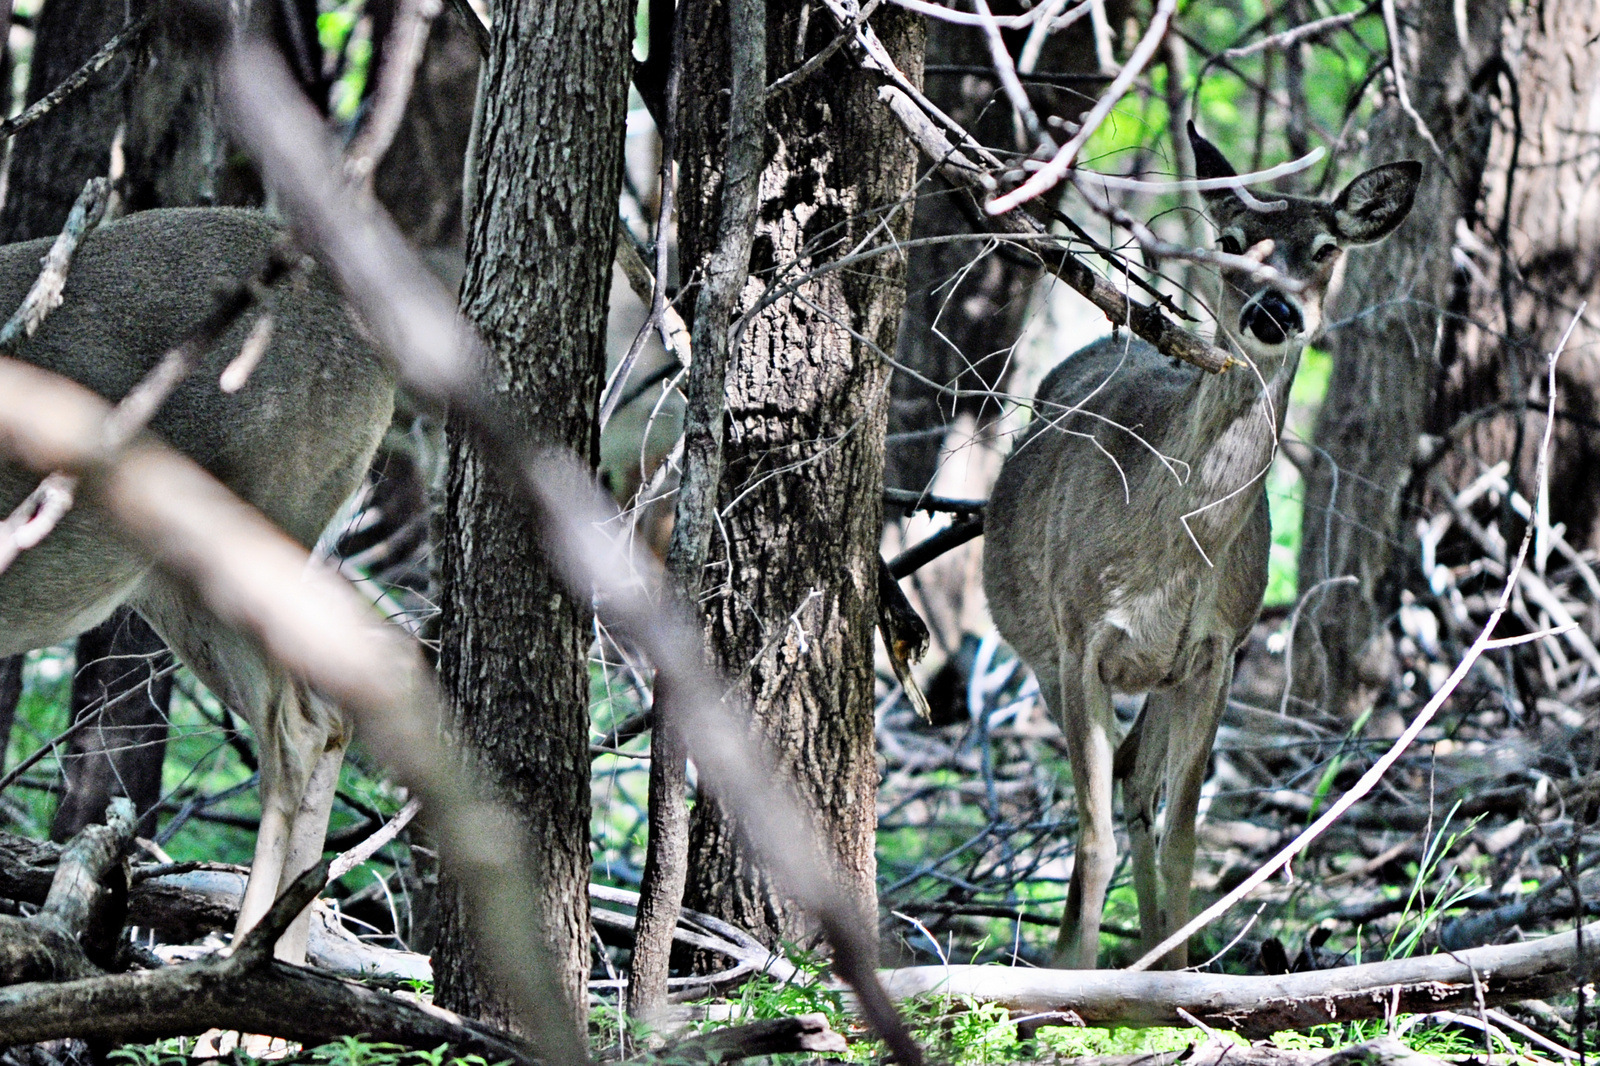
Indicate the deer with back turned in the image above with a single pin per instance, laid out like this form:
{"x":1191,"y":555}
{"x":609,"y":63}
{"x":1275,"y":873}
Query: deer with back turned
{"x":1127,"y":538}
{"x":294,"y":442}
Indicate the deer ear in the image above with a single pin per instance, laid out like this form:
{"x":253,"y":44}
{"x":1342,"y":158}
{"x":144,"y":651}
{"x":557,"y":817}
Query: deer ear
{"x":1209,"y":162}
{"x":1375,"y":202}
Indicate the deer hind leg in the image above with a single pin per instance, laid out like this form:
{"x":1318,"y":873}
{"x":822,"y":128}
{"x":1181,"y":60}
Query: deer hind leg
{"x":302,"y":742}
{"x":293,"y":730}
{"x":1083,"y":705}
{"x":1185,"y":718}
{"x":308,"y":838}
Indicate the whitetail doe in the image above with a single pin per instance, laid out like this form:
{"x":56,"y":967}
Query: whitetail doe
{"x":294,"y":443}
{"x":1127,"y":539}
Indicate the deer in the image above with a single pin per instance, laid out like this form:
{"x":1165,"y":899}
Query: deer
{"x":1126,"y":538}
{"x":294,"y":442}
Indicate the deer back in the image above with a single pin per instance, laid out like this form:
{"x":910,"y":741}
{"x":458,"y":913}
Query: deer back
{"x":294,"y":442}
{"x":1087,"y":519}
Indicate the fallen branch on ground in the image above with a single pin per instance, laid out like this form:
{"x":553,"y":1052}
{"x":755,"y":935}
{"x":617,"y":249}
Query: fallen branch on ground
{"x":1260,"y":1006}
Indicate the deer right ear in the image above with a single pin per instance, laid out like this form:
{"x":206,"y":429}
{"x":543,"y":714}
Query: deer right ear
{"x":1377,"y":201}
{"x":1209,"y":162}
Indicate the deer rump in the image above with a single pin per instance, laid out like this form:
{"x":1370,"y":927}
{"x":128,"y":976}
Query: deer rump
{"x":294,"y":443}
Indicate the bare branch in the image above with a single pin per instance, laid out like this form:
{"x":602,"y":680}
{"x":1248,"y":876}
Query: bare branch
{"x":1052,"y":172}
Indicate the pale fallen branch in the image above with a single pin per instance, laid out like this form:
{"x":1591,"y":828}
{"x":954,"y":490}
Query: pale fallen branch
{"x":1260,"y":1006}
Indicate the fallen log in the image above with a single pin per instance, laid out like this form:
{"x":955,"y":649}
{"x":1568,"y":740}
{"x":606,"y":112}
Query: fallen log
{"x":1259,"y":1006}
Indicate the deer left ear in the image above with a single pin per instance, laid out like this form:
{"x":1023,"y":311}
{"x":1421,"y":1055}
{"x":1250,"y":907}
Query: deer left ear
{"x":1375,"y":202}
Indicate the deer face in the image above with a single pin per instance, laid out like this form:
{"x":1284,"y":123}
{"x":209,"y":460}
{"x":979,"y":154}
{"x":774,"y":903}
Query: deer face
{"x":1301,"y":239}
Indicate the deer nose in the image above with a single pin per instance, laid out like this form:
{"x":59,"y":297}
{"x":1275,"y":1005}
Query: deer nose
{"x":1272,"y":318}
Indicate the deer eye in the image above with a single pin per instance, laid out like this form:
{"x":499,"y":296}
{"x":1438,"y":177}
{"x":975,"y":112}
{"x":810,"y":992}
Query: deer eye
{"x":1325,"y":253}
{"x":1229,"y":244}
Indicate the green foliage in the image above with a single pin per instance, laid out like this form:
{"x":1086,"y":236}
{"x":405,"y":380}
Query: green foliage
{"x":347,"y":1051}
{"x":341,"y":33}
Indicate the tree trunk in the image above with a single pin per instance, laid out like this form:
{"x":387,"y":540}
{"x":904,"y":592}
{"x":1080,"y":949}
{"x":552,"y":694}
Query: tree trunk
{"x":51,"y":160}
{"x":1540,"y":204}
{"x":122,"y":753}
{"x":791,"y":592}
{"x":1386,"y":350}
{"x":515,"y":642}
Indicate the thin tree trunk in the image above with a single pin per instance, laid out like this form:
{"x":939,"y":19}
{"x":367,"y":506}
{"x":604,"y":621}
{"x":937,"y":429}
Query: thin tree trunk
{"x":1386,"y":330}
{"x":51,"y":160}
{"x":515,"y":642}
{"x":791,"y":584}
{"x":123,"y":752}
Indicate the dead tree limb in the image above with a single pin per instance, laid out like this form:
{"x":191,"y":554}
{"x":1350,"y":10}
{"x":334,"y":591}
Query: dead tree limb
{"x":1260,"y":1006}
{"x":56,"y":943}
{"x":957,"y":167}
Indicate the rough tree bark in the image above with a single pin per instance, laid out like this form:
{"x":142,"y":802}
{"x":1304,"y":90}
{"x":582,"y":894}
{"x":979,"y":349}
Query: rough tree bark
{"x":791,"y":590}
{"x":51,"y":161}
{"x":515,"y":642}
{"x":1541,"y":203}
{"x":1387,"y":327}
{"x":121,"y":754}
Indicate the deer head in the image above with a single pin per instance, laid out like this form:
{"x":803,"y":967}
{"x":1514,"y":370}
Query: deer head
{"x":1302,"y":239}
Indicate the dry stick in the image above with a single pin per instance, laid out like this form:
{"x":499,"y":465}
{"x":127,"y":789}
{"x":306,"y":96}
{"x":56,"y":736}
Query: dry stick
{"x":814,"y":64}
{"x":1006,"y":70}
{"x":402,"y":52}
{"x":1295,"y":35}
{"x":438,"y":359}
{"x":1378,"y":769}
{"x":77,"y":79}
{"x":663,"y":318}
{"x":1257,"y":1006}
{"x":32,"y":519}
{"x":667,"y":854}
{"x":369,"y":847}
{"x":1052,"y":172}
{"x":961,"y":18}
{"x":1392,"y":26}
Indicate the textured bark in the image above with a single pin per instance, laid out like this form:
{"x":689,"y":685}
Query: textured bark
{"x":51,"y":160}
{"x":10,"y":696}
{"x":1548,"y":213}
{"x":964,"y":313}
{"x":1386,"y":328}
{"x":122,"y":753}
{"x":515,"y":642}
{"x":791,"y":589}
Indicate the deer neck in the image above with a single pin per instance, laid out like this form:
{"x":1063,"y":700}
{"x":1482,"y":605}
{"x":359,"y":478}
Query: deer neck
{"x":1233,"y":431}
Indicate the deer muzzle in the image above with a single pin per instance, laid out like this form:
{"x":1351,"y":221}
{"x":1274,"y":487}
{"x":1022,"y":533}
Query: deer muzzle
{"x":1271,"y":317}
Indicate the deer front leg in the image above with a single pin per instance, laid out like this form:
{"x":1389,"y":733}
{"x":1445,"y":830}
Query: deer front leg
{"x":1190,"y":712}
{"x":1090,"y":726}
{"x":1141,"y":766}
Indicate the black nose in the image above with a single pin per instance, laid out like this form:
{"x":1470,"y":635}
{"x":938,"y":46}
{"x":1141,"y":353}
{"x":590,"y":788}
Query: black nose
{"x":1272,"y":318}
